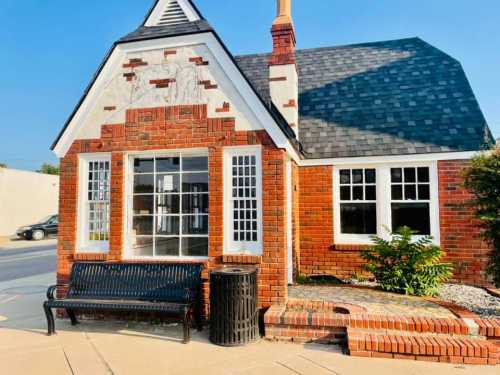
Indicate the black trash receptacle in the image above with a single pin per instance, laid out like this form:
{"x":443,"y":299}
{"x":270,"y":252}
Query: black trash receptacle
{"x":233,"y":306}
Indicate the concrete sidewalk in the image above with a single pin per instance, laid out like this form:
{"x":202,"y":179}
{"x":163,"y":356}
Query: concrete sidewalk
{"x":113,"y":348}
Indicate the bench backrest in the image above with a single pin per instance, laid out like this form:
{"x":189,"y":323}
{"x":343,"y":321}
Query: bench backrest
{"x":135,"y":281}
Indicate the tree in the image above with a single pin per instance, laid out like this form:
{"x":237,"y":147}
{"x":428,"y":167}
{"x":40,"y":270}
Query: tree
{"x":482,"y":179}
{"x":3,"y":165}
{"x":49,"y":169}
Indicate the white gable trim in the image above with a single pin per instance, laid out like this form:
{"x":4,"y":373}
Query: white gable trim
{"x":162,"y":5}
{"x":258,"y":112}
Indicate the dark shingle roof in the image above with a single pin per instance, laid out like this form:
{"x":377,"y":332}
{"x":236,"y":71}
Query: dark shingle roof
{"x":153,"y":32}
{"x":386,"y":98}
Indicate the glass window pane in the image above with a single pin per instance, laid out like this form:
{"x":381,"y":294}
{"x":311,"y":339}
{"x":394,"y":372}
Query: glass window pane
{"x":167,"y":204}
{"x":167,"y":225}
{"x":397,"y":192}
{"x":410,"y":192}
{"x":167,"y":165}
{"x":371,"y":193}
{"x":195,"y":182}
{"x":357,"y":193}
{"x":143,"y":165}
{"x":396,"y":175}
{"x":410,"y":175}
{"x":190,"y":164}
{"x":357,"y":176}
{"x":345,"y":193}
{"x":358,"y":218}
{"x":142,"y":246}
{"x":143,"y":225}
{"x":143,"y":205}
{"x":167,"y":246}
{"x":413,"y":215}
{"x":196,"y":224}
{"x":167,"y":183}
{"x":424,"y":192}
{"x":370,"y":176}
{"x":144,"y":184}
{"x":345,"y":176}
{"x":194,"y":247}
{"x":423,"y":174}
{"x":195,"y":203}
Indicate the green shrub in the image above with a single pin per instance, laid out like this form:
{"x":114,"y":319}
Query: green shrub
{"x":482,"y":179}
{"x":405,"y":266}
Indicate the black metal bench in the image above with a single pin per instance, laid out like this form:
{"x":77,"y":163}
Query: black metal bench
{"x":173,"y":289}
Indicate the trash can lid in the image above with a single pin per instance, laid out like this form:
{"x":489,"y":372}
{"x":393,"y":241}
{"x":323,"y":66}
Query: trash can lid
{"x":234,"y":270}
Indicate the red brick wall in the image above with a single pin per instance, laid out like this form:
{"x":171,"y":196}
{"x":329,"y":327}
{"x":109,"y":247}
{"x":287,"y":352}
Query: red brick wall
{"x":318,"y":254}
{"x":459,"y":230}
{"x":460,"y":233}
{"x":171,"y":128}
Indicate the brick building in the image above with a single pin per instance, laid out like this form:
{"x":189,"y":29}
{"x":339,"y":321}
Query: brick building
{"x":181,"y":152}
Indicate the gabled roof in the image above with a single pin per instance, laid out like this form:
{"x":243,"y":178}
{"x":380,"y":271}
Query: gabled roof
{"x":386,"y":98}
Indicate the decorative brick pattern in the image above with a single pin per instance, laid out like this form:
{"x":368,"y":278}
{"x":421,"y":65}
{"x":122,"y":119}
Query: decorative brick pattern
{"x":162,"y":83}
{"x":172,"y":128}
{"x":291,"y":104}
{"x":110,"y":108}
{"x":460,"y":232}
{"x":134,"y":63}
{"x":208,"y":84}
{"x":169,"y":52}
{"x":489,"y":328}
{"x":198,"y":61}
{"x":226,"y":107}
{"x":129,"y":76}
{"x":277,"y":79}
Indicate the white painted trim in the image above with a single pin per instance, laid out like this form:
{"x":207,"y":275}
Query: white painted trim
{"x":390,"y":159}
{"x":129,"y":183}
{"x":245,"y":96}
{"x":83,"y":244}
{"x":241,"y":247}
{"x":384,"y":216}
{"x":289,"y":221}
{"x":162,"y":5}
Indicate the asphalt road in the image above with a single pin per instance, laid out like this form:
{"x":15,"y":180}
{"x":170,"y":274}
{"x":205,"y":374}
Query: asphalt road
{"x":28,"y":261}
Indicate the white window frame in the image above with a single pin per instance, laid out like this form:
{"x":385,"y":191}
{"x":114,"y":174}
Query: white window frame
{"x":384,"y":211}
{"x":84,"y":244}
{"x":129,"y":187}
{"x":230,"y":245}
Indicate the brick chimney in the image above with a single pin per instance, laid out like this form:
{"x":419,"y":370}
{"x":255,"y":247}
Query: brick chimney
{"x":283,"y":77}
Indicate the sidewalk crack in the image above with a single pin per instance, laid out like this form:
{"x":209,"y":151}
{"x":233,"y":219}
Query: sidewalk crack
{"x":101,"y":357}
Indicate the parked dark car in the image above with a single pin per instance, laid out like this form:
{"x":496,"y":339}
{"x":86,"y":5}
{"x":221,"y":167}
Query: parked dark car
{"x":45,"y":228}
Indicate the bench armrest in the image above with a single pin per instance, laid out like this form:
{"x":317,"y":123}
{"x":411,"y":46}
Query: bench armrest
{"x":52,"y":289}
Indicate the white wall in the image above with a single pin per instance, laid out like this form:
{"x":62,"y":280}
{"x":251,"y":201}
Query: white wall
{"x":25,"y":198}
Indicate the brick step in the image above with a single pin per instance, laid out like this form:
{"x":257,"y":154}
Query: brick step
{"x":449,"y":349}
{"x":489,"y":328}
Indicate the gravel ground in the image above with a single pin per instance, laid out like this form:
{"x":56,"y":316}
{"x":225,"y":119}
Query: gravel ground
{"x":474,"y":299}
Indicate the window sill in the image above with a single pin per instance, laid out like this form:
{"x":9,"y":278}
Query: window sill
{"x":91,"y":257}
{"x":242,"y":259}
{"x":351,"y":247}
{"x":195,"y":260}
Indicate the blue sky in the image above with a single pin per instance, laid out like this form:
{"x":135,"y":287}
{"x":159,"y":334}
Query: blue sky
{"x":50,"y":49}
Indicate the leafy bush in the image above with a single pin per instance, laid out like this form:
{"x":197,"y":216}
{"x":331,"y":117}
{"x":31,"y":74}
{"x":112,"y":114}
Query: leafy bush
{"x":482,"y":179}
{"x":405,"y":266}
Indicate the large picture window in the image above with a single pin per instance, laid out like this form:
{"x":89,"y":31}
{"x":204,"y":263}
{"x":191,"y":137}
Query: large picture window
{"x":376,"y":199}
{"x":243,"y":182}
{"x":94,"y":212}
{"x":170,"y":206}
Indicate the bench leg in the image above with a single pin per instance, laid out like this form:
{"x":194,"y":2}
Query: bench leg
{"x":51,"y":329}
{"x":187,"y":327}
{"x":198,"y":318}
{"x":72,"y":316}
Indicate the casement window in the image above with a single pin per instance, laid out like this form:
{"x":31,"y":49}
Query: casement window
{"x":94,"y":204}
{"x":243,"y":200}
{"x":169,"y":206}
{"x":372,"y":200}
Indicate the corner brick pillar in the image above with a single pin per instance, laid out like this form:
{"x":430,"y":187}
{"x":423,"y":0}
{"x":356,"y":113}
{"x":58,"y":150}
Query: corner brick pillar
{"x":283,"y":76}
